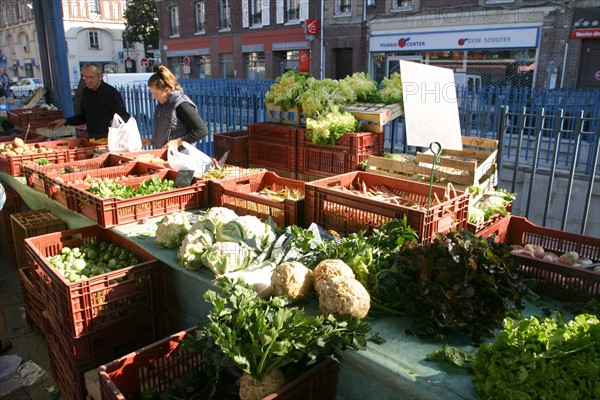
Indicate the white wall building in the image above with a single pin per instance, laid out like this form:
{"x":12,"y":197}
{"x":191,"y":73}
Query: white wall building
{"x":93,"y":32}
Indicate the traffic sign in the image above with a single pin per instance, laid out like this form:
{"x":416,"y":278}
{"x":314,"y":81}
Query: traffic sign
{"x":186,"y":69}
{"x":186,"y":61}
{"x":144,"y":62}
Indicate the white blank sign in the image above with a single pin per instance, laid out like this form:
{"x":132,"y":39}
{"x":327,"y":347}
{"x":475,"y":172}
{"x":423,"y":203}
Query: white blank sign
{"x":430,"y":106}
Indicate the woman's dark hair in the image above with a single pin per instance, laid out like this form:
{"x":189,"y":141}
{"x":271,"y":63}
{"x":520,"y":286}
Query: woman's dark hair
{"x":164,"y":78}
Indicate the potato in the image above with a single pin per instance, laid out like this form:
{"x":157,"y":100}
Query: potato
{"x":18,"y":142}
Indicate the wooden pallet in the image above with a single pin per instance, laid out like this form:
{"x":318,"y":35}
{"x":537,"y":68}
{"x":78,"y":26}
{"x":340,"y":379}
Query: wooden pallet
{"x":373,"y":116}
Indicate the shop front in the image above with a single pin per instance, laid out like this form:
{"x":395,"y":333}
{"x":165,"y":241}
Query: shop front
{"x":496,"y":56}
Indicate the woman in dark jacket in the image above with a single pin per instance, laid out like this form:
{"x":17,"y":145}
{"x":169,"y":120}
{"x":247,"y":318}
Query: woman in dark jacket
{"x":176,"y":118}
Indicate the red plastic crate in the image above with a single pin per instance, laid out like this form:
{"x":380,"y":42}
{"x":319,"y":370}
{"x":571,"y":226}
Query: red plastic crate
{"x":29,"y":224}
{"x":31,"y":138}
{"x":34,"y":172}
{"x":159,"y":364}
{"x":315,"y":161}
{"x":143,"y":156}
{"x":37,"y":117}
{"x":100,"y":301}
{"x":557,"y":280}
{"x":240,"y":195}
{"x":236,"y":143}
{"x":113,"y":211}
{"x":494,"y":219}
{"x":70,"y":358}
{"x":59,"y":186}
{"x":347,"y":212}
{"x":13,"y":165}
{"x":76,"y":149}
{"x":273,"y":146}
{"x":33,"y":302}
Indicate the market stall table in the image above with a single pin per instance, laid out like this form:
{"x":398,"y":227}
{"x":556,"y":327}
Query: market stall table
{"x":395,"y":370}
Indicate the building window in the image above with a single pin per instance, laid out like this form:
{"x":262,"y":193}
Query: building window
{"x":342,"y":7}
{"x":255,"y":65}
{"x":4,"y":15}
{"x":20,"y":11}
{"x":94,"y":40}
{"x":174,"y":11}
{"x":203,"y":66}
{"x":227,"y":66}
{"x":288,"y":61}
{"x":25,"y":43}
{"x":255,"y":12}
{"x":403,"y":5}
{"x":292,"y":10}
{"x":225,"y":14}
{"x":200,"y":16}
{"x":94,"y":6}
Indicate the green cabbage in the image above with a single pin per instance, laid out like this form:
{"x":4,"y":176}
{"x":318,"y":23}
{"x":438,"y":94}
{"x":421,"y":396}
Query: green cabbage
{"x":223,"y":257}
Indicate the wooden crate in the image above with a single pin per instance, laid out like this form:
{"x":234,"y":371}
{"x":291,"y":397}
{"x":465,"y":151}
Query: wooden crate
{"x":373,"y":116}
{"x":293,"y":116}
{"x":474,"y":165}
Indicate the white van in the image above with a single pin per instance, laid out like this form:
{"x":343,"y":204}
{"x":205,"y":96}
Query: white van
{"x":117,"y":80}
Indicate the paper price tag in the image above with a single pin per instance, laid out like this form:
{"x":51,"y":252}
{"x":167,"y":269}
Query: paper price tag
{"x":184,"y":178}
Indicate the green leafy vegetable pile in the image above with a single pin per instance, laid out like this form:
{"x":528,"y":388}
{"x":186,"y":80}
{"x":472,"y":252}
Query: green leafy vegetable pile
{"x":330,"y":127}
{"x":287,"y":89}
{"x":106,"y":189}
{"x":541,"y":359}
{"x":460,"y":282}
{"x":259,"y":335}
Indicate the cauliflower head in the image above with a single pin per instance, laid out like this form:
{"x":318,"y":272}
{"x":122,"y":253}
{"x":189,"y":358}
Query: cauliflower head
{"x":344,"y":296}
{"x":216,"y":216}
{"x":291,"y":279}
{"x":172,"y":228}
{"x":328,"y":269}
{"x":193,"y":246}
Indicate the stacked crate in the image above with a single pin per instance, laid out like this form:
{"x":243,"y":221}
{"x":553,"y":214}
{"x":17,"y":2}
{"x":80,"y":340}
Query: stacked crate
{"x":95,"y":320}
{"x":24,"y":225}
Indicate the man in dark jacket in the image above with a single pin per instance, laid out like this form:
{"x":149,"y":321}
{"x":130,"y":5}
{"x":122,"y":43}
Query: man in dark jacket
{"x":99,"y":103}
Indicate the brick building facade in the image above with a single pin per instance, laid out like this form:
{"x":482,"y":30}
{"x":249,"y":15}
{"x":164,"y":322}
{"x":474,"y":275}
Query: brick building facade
{"x":521,"y":42}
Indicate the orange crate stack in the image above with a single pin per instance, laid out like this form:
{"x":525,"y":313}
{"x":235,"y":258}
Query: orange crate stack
{"x":332,"y":208}
{"x":76,"y":149}
{"x":89,"y":305}
{"x":70,"y":358}
{"x":59,"y":186}
{"x":560,"y":281}
{"x":161,"y":363}
{"x":241,"y":195}
{"x":109,"y":212}
{"x":33,"y":302}
{"x":33,"y":172}
{"x":273,"y":146}
{"x":28,"y":224}
{"x":320,"y":161}
{"x":237,"y":145}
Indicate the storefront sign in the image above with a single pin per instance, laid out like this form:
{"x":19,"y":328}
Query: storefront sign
{"x":311,"y":27}
{"x":191,"y":52}
{"x":509,"y":38}
{"x":586,"y":23}
{"x":303,"y":61}
{"x":290,"y":46}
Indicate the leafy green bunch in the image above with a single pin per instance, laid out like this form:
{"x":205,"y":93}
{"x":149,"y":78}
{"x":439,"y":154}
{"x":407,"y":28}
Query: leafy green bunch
{"x":258,"y":335}
{"x":460,"y":282}
{"x":391,"y":89}
{"x":330,"y":127}
{"x":535,"y":358}
{"x":364,"y":87}
{"x":107,"y":189}
{"x":287,"y":89}
{"x":321,"y":96}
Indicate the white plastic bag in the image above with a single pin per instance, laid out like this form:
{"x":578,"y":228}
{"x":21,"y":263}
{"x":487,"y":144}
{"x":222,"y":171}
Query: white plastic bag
{"x":124,"y":136}
{"x":195,"y":160}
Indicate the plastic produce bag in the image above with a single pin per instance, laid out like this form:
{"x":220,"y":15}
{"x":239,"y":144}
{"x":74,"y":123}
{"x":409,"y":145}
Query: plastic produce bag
{"x":189,"y":159}
{"x":124,"y":136}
